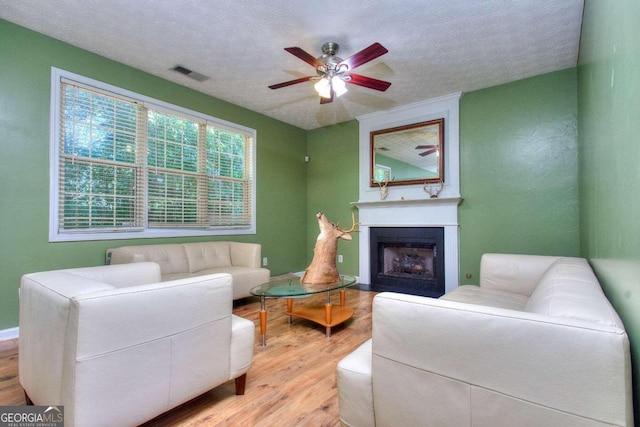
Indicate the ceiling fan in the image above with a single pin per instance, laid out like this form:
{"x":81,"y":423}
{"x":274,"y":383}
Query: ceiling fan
{"x":430,"y":149}
{"x":333,"y":72}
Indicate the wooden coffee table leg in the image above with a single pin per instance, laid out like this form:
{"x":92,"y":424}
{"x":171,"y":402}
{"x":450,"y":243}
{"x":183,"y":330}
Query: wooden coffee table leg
{"x":327,"y":315}
{"x":290,"y":309}
{"x":263,"y":321}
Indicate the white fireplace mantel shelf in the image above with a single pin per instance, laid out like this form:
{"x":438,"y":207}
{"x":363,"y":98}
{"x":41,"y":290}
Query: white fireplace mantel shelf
{"x":409,"y":202}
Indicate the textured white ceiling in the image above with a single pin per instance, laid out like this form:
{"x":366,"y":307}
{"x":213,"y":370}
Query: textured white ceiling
{"x":436,"y":47}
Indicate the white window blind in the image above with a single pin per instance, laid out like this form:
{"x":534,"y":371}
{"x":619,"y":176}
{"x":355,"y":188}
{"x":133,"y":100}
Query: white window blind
{"x":99,"y":171}
{"x":229,"y":166}
{"x":176,"y":176}
{"x":128,"y":168}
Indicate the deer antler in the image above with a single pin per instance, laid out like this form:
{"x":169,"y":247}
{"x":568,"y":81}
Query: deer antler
{"x":429,"y":189}
{"x":353,"y":226}
{"x":383,"y":189}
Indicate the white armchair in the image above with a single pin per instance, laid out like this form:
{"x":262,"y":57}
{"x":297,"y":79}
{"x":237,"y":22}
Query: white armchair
{"x":116,"y":346}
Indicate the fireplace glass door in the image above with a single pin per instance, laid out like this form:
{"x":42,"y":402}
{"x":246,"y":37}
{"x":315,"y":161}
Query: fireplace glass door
{"x":408,"y":260}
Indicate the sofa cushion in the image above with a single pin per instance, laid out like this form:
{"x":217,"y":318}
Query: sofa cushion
{"x":570,"y":289}
{"x":171,"y":258}
{"x":207,"y":255}
{"x":513,"y":273}
{"x":473,"y":294}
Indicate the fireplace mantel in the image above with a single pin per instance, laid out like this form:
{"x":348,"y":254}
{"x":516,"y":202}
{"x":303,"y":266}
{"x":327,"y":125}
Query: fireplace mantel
{"x":373,"y":215}
{"x":409,"y":213}
{"x":404,"y":202}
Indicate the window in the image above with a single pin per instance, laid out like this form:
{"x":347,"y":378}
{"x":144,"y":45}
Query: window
{"x":126,"y":166}
{"x":381,"y":173}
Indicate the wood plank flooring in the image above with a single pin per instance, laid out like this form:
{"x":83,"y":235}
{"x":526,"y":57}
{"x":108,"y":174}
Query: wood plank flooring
{"x":292,"y":381}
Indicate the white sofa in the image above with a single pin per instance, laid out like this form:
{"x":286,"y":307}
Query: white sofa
{"x":536,"y":344}
{"x":241,"y":260}
{"x":116,"y":347}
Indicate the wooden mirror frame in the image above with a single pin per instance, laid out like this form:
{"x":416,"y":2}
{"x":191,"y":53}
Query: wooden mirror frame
{"x":400,"y":129}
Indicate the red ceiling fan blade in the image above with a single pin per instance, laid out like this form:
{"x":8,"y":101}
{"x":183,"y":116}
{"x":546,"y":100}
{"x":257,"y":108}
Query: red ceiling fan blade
{"x":306,"y":57}
{"x":426,"y":153}
{"x":365,"y":55}
{"x":369,"y":82}
{"x":291,"y":82}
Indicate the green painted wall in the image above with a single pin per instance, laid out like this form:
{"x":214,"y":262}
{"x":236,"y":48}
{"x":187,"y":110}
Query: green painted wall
{"x":518,"y":170}
{"x":332,"y":185}
{"x":26,"y":59}
{"x":609,"y":134}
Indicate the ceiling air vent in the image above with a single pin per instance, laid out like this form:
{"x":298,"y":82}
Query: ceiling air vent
{"x":191,"y":74}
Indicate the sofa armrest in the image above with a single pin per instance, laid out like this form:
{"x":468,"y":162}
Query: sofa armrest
{"x":512,"y":272}
{"x":243,"y":333}
{"x":355,"y":392}
{"x":245,"y":254}
{"x":442,"y":357}
{"x":44,"y":316}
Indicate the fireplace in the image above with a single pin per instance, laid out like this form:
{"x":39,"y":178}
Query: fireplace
{"x":409,"y":206}
{"x":408,"y":260}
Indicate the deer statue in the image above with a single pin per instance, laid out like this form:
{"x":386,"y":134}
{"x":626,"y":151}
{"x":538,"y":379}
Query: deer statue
{"x":322,"y":269}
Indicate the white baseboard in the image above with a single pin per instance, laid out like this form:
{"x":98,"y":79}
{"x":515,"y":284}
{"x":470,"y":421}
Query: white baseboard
{"x":9,"y":334}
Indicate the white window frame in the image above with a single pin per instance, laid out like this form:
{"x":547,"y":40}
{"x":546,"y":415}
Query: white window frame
{"x":57,"y":76}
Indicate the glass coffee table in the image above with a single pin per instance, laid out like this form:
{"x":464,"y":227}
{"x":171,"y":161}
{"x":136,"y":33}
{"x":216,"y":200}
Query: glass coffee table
{"x":290,"y":287}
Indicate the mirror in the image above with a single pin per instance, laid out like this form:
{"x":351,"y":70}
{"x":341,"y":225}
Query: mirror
{"x":410,"y":154}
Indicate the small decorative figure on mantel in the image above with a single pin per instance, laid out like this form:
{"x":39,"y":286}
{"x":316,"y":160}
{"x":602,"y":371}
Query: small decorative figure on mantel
{"x":384,"y":190}
{"x":433,"y":190}
{"x":322,"y":269}
{"x":384,"y":186}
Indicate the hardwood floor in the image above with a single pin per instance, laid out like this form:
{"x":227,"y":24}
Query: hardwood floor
{"x":10,"y":390}
{"x":292,"y":381}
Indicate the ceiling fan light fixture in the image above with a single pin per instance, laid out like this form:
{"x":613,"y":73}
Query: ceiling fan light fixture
{"x":323,"y":87}
{"x":339,"y":86}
